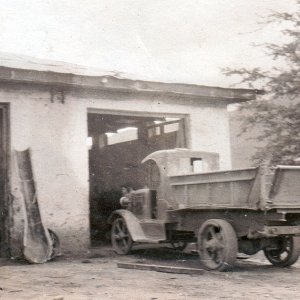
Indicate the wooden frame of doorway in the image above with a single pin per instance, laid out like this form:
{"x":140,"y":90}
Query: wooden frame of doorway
{"x":4,"y":173}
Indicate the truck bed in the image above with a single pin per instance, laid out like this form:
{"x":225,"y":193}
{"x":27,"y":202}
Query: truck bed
{"x":253,"y":188}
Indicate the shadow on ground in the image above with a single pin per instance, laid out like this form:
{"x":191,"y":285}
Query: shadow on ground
{"x":170,"y":257}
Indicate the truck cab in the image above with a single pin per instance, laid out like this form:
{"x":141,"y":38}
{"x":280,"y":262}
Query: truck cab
{"x":156,"y":198}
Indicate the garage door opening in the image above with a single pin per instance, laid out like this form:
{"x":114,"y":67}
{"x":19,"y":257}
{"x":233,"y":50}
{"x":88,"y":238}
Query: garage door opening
{"x":117,"y":144}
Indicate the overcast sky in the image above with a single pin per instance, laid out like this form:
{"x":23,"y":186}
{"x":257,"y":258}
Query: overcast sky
{"x":167,"y":40}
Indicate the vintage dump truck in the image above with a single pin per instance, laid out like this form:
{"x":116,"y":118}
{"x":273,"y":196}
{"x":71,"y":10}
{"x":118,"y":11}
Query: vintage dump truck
{"x":187,"y":199}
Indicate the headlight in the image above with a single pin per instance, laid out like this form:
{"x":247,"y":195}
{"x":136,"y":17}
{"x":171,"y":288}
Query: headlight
{"x":124,"y":201}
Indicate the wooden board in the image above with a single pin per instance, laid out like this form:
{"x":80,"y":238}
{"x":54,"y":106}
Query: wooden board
{"x":158,"y":268}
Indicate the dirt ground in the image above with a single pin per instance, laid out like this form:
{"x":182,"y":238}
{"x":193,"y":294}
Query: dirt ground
{"x":98,"y":277}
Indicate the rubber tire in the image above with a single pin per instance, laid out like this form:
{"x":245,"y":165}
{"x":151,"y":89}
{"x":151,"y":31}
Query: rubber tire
{"x":229,"y":241}
{"x":115,"y":243}
{"x":291,"y":258}
{"x":55,"y":244}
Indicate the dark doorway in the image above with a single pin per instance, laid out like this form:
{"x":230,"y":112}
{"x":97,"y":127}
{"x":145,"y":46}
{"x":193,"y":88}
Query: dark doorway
{"x":3,"y":179}
{"x":118,"y":143}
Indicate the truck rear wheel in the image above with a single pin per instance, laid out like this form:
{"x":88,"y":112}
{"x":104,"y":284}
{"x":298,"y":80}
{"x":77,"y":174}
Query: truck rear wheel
{"x":120,"y":237}
{"x":285,"y":252}
{"x":217,"y":245}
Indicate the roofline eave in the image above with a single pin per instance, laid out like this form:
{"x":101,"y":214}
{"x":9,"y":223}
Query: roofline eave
{"x":69,"y":80}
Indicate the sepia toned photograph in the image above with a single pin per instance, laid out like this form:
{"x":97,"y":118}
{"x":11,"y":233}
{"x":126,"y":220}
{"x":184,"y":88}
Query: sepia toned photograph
{"x":149,"y":149}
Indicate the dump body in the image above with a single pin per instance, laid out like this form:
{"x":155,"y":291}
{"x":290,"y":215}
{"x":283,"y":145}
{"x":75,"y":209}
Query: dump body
{"x":258,"y":188}
{"x":226,"y":189}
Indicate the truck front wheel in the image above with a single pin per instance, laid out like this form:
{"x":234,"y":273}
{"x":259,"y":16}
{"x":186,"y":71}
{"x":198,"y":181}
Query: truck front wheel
{"x":283,"y":252}
{"x":120,"y":237}
{"x":217,"y":245}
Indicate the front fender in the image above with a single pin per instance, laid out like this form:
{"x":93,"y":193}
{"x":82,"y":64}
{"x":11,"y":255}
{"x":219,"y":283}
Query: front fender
{"x":132,"y":222}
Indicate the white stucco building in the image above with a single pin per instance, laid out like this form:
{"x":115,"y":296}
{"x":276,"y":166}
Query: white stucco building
{"x":53,"y":111}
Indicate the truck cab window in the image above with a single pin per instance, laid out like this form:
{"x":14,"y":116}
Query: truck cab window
{"x":197,"y":165}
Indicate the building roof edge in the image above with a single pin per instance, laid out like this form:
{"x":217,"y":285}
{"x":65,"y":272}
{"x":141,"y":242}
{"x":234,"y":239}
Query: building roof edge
{"x":110,"y":82}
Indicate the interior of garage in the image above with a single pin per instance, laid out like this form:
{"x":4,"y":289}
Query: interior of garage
{"x":117,"y":144}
